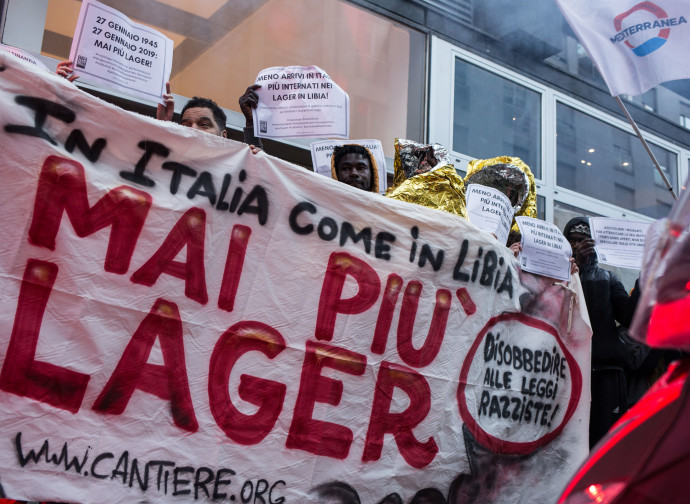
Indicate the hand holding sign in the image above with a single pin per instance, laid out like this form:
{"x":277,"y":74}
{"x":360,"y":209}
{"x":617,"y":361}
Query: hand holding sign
{"x":311,"y":335}
{"x":248,"y":102}
{"x":583,"y":250}
{"x":66,"y":69}
{"x":300,"y":102}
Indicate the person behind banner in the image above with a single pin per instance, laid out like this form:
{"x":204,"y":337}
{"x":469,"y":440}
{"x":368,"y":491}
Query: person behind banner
{"x":355,"y":166}
{"x":607,"y":303}
{"x":198,"y":113}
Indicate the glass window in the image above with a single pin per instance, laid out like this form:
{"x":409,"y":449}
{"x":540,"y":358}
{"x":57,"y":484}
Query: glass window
{"x":493,"y":116}
{"x":221,"y":45}
{"x":562,"y":213}
{"x":685,"y":121}
{"x":666,"y":100}
{"x":609,"y":164}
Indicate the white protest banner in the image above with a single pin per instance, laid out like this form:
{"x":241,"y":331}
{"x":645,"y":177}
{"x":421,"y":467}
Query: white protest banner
{"x":321,"y":153}
{"x":545,"y":251}
{"x":184,"y":321}
{"x":619,"y":242}
{"x":25,"y":56}
{"x":110,"y":50}
{"x":489,"y":209}
{"x":635,"y":45}
{"x":298,"y":101}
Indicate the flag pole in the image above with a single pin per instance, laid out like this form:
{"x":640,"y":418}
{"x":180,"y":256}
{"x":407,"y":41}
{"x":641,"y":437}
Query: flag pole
{"x":646,"y":146}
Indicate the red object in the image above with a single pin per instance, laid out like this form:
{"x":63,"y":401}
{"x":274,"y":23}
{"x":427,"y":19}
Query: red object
{"x":667,"y":323}
{"x":645,"y":457}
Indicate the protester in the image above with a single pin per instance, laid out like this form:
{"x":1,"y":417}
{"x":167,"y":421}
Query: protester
{"x":355,"y":166}
{"x":514,"y":243}
{"x":165,"y":112}
{"x":205,"y":115}
{"x":199,"y":113}
{"x":607,"y":303}
{"x":424,"y":175}
{"x":66,"y":70}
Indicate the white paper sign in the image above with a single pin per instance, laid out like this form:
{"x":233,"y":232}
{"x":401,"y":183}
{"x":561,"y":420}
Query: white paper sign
{"x":321,"y":153}
{"x":489,"y":209}
{"x":619,"y":242}
{"x":298,"y":102}
{"x":28,"y":57}
{"x":115,"y":52}
{"x":545,"y":251}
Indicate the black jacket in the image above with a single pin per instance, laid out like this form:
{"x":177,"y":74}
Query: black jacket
{"x":607,"y":302}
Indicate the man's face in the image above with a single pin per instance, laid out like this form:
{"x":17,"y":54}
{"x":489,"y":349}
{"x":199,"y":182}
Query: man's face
{"x":576,"y":238}
{"x":354,"y":170}
{"x":201,"y":118}
{"x":583,"y":247}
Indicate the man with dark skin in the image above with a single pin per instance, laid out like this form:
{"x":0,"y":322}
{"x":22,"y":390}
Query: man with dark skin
{"x":199,"y":113}
{"x":351,"y":164}
{"x":66,"y":70}
{"x":354,"y":170}
{"x":582,"y":245}
{"x":202,"y":114}
{"x":608,"y":304}
{"x":355,"y":166}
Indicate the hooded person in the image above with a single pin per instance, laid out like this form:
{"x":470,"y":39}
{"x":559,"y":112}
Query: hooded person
{"x":607,"y":303}
{"x":354,"y":165}
{"x":511,"y":176}
{"x":425,"y":176}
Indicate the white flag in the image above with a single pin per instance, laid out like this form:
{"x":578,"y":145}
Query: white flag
{"x":636,"y":45}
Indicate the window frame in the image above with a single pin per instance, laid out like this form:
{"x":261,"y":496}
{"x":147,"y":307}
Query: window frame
{"x":441,"y":106}
{"x":442,"y":97}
